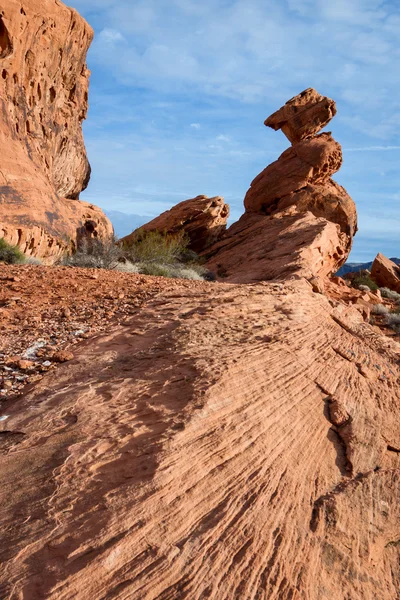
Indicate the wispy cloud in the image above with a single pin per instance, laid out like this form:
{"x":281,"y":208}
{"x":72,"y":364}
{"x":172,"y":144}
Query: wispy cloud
{"x":372,"y":149}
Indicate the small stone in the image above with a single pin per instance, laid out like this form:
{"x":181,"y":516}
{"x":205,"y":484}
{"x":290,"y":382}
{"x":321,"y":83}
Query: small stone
{"x":62,"y":356}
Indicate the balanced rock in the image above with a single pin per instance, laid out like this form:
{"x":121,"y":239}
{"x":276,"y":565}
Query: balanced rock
{"x":298,"y":221}
{"x":43,"y":99}
{"x":386,"y":273}
{"x":303,"y":116}
{"x":308,"y":162}
{"x":203,"y":219}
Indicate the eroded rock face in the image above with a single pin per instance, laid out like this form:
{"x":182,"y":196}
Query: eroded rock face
{"x":229,"y":441}
{"x":298,"y":221}
{"x":43,"y":101}
{"x":386,"y":273}
{"x":308,"y":162}
{"x":203,"y":219}
{"x":303,"y":116}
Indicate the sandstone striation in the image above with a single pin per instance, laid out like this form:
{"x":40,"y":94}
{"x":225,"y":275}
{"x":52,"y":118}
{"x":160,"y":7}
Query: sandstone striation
{"x":43,"y":101}
{"x":226,"y":441}
{"x":303,"y":116}
{"x":298,"y":222}
{"x":386,"y":273}
{"x":203,"y":219}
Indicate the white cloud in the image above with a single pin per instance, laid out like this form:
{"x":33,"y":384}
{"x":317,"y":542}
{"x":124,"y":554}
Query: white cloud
{"x":195,"y":125}
{"x":223,"y":138}
{"x":110,"y":36}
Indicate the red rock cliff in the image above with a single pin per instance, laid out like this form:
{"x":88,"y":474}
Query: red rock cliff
{"x":43,"y":101}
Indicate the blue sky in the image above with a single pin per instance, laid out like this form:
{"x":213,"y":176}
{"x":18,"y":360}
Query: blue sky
{"x":180,"y":89}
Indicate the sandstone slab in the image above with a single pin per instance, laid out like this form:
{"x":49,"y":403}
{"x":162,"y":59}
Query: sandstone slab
{"x":230,"y":441}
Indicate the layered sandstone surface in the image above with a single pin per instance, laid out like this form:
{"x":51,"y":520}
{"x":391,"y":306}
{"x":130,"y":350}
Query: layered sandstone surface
{"x":298,"y":222}
{"x":224,"y":441}
{"x":43,"y":101}
{"x":203,"y":219}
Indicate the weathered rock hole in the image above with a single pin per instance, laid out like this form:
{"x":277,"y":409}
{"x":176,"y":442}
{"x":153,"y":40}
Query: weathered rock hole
{"x":52,"y":94}
{"x":39,"y":91}
{"x":22,"y":11}
{"x":28,"y":127}
{"x":17,"y":127}
{"x":6,"y":46}
{"x":4,"y":74}
{"x":15,"y":78}
{"x":73,"y":26}
{"x":72,"y":94}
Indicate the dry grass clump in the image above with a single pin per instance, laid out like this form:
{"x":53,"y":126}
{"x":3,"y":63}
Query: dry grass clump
{"x":94,"y":254}
{"x":390,"y":294}
{"x":393,"y":320}
{"x":379,"y":309}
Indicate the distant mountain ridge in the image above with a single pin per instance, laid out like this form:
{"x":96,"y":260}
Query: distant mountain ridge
{"x":125,"y":223}
{"x":353,"y":267}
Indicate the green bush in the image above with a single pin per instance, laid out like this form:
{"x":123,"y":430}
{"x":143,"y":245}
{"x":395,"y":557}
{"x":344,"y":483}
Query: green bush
{"x":157,"y":247}
{"x":364,"y":280}
{"x":9,"y":254}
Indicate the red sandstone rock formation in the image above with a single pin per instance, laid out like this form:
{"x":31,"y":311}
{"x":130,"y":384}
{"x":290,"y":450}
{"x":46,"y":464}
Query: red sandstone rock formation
{"x":43,"y":101}
{"x":202,"y":218}
{"x":303,"y":116}
{"x":228,"y":441}
{"x":386,"y":273}
{"x":298,"y":221}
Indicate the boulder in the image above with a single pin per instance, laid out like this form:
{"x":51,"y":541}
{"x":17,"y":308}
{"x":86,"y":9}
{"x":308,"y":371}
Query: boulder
{"x":303,"y":116}
{"x":43,"y":101}
{"x":386,"y":273}
{"x":203,"y":219}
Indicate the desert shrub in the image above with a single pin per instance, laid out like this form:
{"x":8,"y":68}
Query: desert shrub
{"x":366,"y":281}
{"x":126,"y":267}
{"x":379,"y":309}
{"x":157,"y":247}
{"x":94,"y":254}
{"x":391,"y":294}
{"x":174,"y":271}
{"x":393,"y":320}
{"x":364,"y":288}
{"x":10,"y":254}
{"x":151,"y":253}
{"x":166,"y":255}
{"x":33,"y":261}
